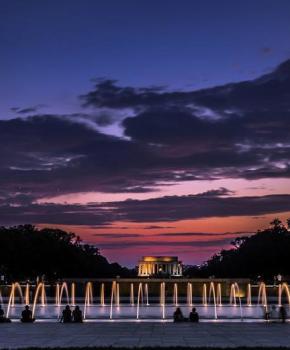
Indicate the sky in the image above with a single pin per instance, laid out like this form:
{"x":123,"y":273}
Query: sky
{"x":146,"y":127}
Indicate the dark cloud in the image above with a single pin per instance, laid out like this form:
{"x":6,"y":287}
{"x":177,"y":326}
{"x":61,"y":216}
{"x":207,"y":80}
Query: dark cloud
{"x":156,"y":227}
{"x":117,"y":235}
{"x":193,"y":244}
{"x":203,"y":234}
{"x":54,"y":214}
{"x":271,"y":90}
{"x":222,"y":191}
{"x":27,"y":110}
{"x":239,"y":130}
{"x":170,"y":208}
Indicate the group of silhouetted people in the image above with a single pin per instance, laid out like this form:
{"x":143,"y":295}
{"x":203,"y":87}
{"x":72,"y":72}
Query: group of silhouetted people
{"x":193,"y":316}
{"x":75,"y":316}
{"x":68,"y":316}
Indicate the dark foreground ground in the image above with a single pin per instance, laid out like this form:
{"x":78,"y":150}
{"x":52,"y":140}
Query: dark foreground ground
{"x":144,"y":334}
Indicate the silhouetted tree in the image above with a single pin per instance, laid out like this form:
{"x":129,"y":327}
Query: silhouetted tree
{"x":27,"y":252}
{"x":264,"y":254}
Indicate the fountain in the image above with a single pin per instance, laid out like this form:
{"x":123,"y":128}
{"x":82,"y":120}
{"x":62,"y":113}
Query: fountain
{"x":162,"y":298}
{"x":39,"y":289}
{"x":132,"y":294}
{"x":102,"y":298}
{"x":114,"y":297}
{"x":27,"y":297}
{"x":283,"y":287}
{"x":212,"y":292}
{"x":147,"y":294}
{"x":249,"y":294}
{"x":139,"y":299}
{"x":262,"y":296}
{"x":73,"y":294}
{"x":175,"y":294}
{"x":214,"y":299}
{"x":204,"y":295}
{"x":189,"y":294}
{"x":235,"y":293}
{"x":14,"y":287}
{"x":88,"y":297}
{"x":219,"y":295}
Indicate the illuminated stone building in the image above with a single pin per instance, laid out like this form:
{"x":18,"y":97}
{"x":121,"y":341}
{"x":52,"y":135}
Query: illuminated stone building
{"x":159,"y":265}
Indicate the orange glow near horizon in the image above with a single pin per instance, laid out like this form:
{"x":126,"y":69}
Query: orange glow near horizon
{"x":191,"y":249}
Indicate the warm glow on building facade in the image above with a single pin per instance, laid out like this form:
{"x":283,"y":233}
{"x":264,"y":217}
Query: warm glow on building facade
{"x":159,"y":265}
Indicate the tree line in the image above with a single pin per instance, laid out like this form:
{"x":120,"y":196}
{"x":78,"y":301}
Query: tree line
{"x":262,"y":255}
{"x":27,"y":252}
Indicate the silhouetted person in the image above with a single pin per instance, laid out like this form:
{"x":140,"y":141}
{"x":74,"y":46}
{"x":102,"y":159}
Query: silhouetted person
{"x":266,"y":314}
{"x":26,"y":315}
{"x":3,"y":319}
{"x":77,"y":315}
{"x":66,"y":315}
{"x":283,"y":314}
{"x":178,"y":316}
{"x":193,"y":316}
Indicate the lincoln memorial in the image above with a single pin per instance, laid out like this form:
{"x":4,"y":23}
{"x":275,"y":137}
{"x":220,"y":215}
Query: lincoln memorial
{"x":159,"y":265}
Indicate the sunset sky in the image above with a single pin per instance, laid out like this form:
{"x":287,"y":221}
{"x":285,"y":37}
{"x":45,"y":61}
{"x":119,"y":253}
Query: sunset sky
{"x":147,"y":127}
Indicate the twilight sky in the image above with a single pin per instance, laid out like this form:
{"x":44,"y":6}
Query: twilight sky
{"x":147,"y":127}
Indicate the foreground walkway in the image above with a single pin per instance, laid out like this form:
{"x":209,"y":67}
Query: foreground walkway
{"x":127,"y":334}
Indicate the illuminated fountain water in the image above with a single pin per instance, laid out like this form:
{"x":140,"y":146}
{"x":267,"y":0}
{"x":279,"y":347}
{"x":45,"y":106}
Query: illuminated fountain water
{"x":175,"y":294}
{"x":14,"y":287}
{"x":283,"y":288}
{"x":73,"y":294}
{"x":132,"y":301}
{"x":189,"y":294}
{"x":212,"y":292}
{"x":102,"y":298}
{"x":27,"y":295}
{"x":249,"y":294}
{"x":245,"y":301}
{"x":140,"y":299}
{"x":88,"y":297}
{"x":59,"y":296}
{"x":147,"y":294}
{"x":219,"y":295}
{"x":162,"y":298}
{"x":262,"y":296}
{"x":234,"y":295}
{"x":115,"y":297}
{"x":204,"y":295}
{"x":39,"y":293}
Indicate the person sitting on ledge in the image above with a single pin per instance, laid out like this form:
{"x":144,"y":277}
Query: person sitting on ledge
{"x":283,"y":314}
{"x":26,"y":315}
{"x":178,"y":316}
{"x":3,"y":319}
{"x":66,"y":315}
{"x":77,"y":315}
{"x":193,"y":316}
